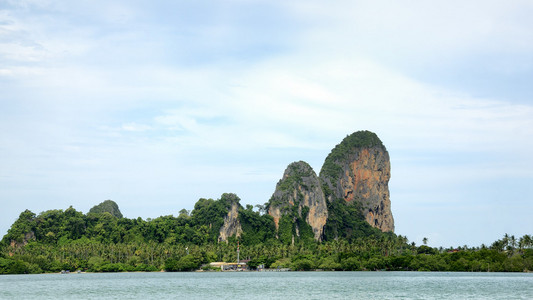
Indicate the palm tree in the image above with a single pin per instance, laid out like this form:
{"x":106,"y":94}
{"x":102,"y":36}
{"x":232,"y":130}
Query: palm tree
{"x":528,"y":241}
{"x":521,"y":245}
{"x":513,"y":243}
{"x":425,"y":240}
{"x":505,"y":240}
{"x":402,"y":241}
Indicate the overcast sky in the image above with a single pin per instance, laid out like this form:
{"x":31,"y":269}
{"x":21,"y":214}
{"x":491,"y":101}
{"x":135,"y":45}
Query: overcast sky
{"x":155,"y":105}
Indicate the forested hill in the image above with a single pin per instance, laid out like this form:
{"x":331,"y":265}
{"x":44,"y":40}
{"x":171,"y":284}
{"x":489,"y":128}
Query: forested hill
{"x":104,"y":223}
{"x":102,"y":241}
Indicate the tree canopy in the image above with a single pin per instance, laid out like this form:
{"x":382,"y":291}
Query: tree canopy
{"x":58,"y":239}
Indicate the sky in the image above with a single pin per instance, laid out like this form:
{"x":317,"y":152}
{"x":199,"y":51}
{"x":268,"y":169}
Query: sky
{"x":156,"y":104}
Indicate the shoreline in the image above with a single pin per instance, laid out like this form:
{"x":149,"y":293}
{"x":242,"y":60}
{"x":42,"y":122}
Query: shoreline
{"x":278,"y":271}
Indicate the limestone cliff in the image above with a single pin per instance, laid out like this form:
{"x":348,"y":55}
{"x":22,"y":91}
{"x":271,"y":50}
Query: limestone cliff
{"x":358,"y":170}
{"x":232,"y":226}
{"x":299,"y":195}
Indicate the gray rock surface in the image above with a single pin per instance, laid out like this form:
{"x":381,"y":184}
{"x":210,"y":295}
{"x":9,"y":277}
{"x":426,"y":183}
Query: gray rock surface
{"x":300,"y":187}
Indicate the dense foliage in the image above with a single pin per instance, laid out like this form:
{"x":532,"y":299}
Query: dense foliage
{"x":58,"y":240}
{"x":257,"y":228}
{"x":346,"y":221}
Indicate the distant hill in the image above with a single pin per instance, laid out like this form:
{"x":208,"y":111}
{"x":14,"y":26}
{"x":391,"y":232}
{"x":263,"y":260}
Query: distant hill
{"x":107,"y":206}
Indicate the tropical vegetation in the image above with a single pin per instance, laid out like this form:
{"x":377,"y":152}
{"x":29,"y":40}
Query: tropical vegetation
{"x":104,"y":241}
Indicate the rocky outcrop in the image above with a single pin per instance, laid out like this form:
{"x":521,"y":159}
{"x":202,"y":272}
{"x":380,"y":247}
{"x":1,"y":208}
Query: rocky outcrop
{"x":231,"y":226}
{"x":29,"y":236}
{"x":109,"y":206}
{"x":358,"y":170}
{"x":299,"y":194}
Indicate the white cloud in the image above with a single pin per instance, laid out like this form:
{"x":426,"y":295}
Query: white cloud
{"x":122,"y":112}
{"x":135,"y":127}
{"x":373,"y":97}
{"x":426,"y":27}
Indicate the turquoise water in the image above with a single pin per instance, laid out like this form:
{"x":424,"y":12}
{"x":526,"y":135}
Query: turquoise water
{"x":269,"y":285}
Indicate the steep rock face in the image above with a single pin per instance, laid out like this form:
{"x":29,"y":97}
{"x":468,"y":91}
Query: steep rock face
{"x":358,"y":170}
{"x":231,"y":226}
{"x":299,"y":193}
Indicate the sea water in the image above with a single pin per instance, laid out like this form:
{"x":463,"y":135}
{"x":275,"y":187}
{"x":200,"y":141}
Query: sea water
{"x":269,"y":285}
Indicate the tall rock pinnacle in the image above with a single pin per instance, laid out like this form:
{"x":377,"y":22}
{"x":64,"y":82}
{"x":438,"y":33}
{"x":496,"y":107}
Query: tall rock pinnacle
{"x":358,"y":170}
{"x":299,"y":195}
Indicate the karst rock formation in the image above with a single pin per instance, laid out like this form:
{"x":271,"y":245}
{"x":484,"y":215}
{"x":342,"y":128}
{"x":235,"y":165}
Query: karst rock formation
{"x":299,"y":192}
{"x":232,"y":225}
{"x":358,"y":170}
